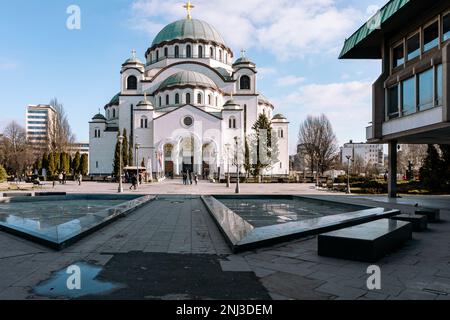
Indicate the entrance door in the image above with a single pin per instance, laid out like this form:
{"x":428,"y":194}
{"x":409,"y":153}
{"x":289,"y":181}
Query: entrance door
{"x":168,"y":169}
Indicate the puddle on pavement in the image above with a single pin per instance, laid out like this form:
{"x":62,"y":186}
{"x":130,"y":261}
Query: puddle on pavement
{"x":57,"y":285}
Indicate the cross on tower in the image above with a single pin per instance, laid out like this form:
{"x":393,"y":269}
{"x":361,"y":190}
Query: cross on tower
{"x":243,"y":53}
{"x":133,"y":54}
{"x":189,"y":6}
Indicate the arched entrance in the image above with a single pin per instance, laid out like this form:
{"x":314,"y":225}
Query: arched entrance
{"x":168,"y":161}
{"x":187,"y":152}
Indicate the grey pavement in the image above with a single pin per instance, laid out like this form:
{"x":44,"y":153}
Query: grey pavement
{"x":176,"y":233}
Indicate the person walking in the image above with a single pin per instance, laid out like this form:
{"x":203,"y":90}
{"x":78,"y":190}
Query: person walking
{"x":184,"y":177}
{"x":80,"y":178}
{"x":60,"y":178}
{"x":134,"y":182}
{"x":196,"y":178}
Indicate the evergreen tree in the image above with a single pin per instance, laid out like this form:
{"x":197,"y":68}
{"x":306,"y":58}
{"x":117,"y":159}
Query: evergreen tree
{"x":130,"y":151}
{"x":247,"y":163}
{"x":52,"y":168}
{"x":445,"y":165}
{"x":76,"y":163}
{"x":116,"y":164}
{"x":265,"y":147}
{"x":57,"y":161}
{"x":45,"y":161}
{"x":3,"y":174}
{"x":65,"y":164}
{"x":125,"y":149}
{"x":430,"y":173}
{"x":84,"y":165}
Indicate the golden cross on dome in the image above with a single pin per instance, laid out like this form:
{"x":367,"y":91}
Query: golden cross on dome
{"x":189,"y":6}
{"x":133,"y":54}
{"x":243,"y":53}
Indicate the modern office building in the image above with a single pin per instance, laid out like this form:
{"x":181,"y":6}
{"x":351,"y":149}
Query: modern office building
{"x":81,"y":147}
{"x":39,"y":120}
{"x":411,"y":101}
{"x":370,"y":154}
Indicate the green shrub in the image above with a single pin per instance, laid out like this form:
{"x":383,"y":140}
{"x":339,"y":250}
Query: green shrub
{"x":3,"y":174}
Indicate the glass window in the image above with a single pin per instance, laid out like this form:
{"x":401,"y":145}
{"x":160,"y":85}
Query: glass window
{"x":167,"y":100}
{"x":166,"y":52}
{"x":393,"y":102}
{"x":132,"y":83}
{"x":199,"y":98}
{"x":409,"y":96}
{"x":413,"y":45}
{"x":245,"y":83}
{"x":426,"y":90}
{"x":431,"y":36}
{"x":446,"y":26}
{"x":188,"y":51}
{"x":188,"y":98}
{"x":398,"y":56}
{"x":439,"y":100}
{"x":177,"y":98}
{"x":200,"y":51}
{"x":177,"y":52}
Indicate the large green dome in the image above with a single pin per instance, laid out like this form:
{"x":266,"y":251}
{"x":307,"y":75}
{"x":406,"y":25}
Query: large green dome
{"x":188,"y":29}
{"x":187,"y":78}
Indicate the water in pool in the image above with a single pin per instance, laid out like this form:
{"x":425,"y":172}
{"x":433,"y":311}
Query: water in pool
{"x":268,"y":211}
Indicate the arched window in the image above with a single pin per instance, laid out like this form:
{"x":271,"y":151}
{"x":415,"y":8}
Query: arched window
{"x":157,"y":55}
{"x":220,"y":55}
{"x":188,"y":98}
{"x":166,"y":52}
{"x":226,"y":58}
{"x":177,"y":52}
{"x":131,"y":83}
{"x":167,"y":99}
{"x":160,"y":102}
{"x":188,"y":51}
{"x":144,"y":122}
{"x":177,"y":98}
{"x":245,"y":83}
{"x":200,"y":51}
{"x":280,"y":133}
{"x":199,"y":98}
{"x":210,"y":100}
{"x":114,"y":113}
{"x":211,"y":53}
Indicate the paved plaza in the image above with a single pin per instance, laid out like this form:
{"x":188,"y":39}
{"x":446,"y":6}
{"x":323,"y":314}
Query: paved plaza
{"x":171,"y":249}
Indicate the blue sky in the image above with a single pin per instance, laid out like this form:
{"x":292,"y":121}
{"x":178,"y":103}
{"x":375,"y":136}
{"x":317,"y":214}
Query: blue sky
{"x":295,"y":45}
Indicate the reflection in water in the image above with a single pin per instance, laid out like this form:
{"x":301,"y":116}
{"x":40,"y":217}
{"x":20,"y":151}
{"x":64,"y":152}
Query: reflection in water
{"x":268,"y":211}
{"x":56,"y":286}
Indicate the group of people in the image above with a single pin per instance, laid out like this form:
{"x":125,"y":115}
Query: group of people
{"x":190,"y":178}
{"x":62,"y":178}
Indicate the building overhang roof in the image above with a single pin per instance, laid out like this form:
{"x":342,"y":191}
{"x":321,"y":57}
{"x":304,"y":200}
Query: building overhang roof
{"x":366,"y":42}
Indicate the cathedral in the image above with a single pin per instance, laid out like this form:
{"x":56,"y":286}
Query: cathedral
{"x":186,"y":107}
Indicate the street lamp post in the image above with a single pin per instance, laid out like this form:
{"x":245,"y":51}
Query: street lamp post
{"x":228,"y":164}
{"x":137,"y":162}
{"x":120,"y":164}
{"x":237,"y":165}
{"x":348,"y":174}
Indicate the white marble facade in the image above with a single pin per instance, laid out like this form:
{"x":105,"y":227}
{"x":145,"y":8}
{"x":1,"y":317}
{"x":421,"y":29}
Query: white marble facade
{"x":184,"y":105}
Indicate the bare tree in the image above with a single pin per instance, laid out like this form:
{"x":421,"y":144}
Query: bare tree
{"x":15,"y":153}
{"x":318,"y":143}
{"x":60,"y":133}
{"x":415,"y":153}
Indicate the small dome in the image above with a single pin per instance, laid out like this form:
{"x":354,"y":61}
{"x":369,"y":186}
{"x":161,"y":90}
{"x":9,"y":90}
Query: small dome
{"x":132,"y":61}
{"x":99,"y":116}
{"x":187,"y":78}
{"x":279,"y":116}
{"x":193,"y":29}
{"x":243,"y":60}
{"x":146,"y":104}
{"x":231,"y":104}
{"x":115,"y":100}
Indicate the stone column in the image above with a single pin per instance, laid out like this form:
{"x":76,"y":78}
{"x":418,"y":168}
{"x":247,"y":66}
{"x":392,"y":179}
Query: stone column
{"x":392,"y":177}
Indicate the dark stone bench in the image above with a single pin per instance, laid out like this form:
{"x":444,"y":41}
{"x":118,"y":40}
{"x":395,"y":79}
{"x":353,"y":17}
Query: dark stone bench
{"x":419,"y":222}
{"x":433,"y":215}
{"x":366,"y":242}
{"x":17,"y":194}
{"x":47,"y":194}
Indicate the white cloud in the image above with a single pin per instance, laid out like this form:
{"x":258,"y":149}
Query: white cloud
{"x":286,"y":28}
{"x":346,"y":104}
{"x":289,"y":80}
